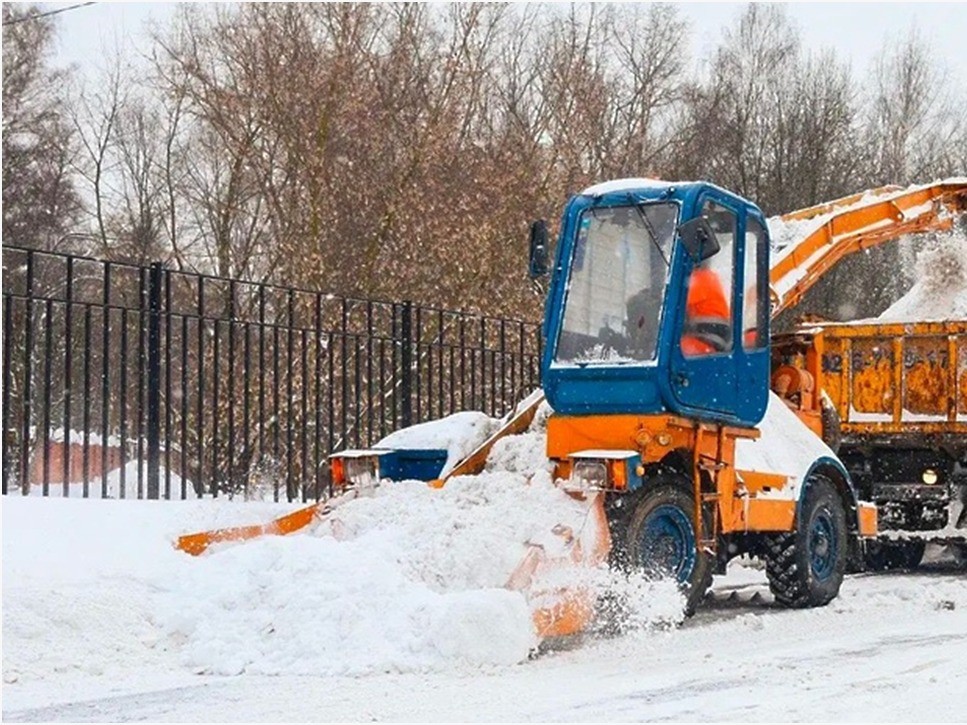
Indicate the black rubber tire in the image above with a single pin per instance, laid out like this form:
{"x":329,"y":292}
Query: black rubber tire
{"x":789,"y":566}
{"x":669,"y":490}
{"x":887,"y":555}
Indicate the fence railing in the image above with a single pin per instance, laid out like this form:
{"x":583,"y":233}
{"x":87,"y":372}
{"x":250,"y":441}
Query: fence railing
{"x":131,"y":381}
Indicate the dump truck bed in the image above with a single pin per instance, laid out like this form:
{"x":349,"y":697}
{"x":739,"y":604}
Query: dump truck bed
{"x":897,"y":382}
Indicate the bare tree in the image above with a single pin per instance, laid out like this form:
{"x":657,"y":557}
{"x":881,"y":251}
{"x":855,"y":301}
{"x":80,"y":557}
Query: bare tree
{"x":399,"y":150}
{"x":94,"y":116}
{"x":915,"y":121}
{"x":40,"y":205}
{"x":734,"y":115}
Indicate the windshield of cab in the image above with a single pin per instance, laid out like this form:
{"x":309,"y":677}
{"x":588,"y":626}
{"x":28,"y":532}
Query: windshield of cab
{"x":616,"y":286}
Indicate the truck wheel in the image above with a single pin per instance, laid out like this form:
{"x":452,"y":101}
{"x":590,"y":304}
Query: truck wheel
{"x":661,"y":540}
{"x":884,"y":555}
{"x":806,"y":567}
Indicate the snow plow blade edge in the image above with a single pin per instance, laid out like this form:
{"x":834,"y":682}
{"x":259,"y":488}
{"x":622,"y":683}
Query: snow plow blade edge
{"x":196,"y":544}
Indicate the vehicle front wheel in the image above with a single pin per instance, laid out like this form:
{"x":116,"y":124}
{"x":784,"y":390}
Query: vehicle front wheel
{"x":661,"y":541}
{"x":806,"y":567}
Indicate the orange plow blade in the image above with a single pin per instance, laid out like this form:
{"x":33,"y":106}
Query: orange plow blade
{"x":553,"y":574}
{"x":196,"y":544}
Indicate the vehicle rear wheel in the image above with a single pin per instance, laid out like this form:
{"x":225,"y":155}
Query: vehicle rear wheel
{"x":885,"y":555}
{"x":662,"y":542}
{"x":806,"y":567}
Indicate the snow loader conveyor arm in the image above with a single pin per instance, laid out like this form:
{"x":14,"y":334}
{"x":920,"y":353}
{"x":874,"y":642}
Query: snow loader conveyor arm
{"x":859,"y":222}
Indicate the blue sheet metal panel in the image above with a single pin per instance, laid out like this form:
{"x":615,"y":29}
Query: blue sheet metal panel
{"x":416,"y":464}
{"x":596,"y":390}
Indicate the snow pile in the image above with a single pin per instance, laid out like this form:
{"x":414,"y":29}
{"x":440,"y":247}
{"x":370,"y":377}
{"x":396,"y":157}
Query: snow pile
{"x":940,"y":292}
{"x":404,"y":583}
{"x":525,"y":453}
{"x":410,"y":579}
{"x":406,"y":579}
{"x":81,"y":577}
{"x":459,"y":434}
{"x":786,"y":445}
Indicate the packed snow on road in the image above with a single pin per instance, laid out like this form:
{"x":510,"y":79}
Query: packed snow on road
{"x":398,"y":612}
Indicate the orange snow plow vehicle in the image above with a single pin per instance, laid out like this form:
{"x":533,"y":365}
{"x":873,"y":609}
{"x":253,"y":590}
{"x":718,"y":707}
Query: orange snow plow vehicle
{"x":689,"y":455}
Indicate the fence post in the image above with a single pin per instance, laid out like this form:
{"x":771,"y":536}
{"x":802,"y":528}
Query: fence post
{"x":406,"y":365}
{"x":28,"y":378}
{"x":155,"y":286}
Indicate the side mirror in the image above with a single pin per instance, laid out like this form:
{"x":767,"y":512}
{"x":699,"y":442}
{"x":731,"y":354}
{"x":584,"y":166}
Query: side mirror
{"x":699,"y":239}
{"x":538,"y":250}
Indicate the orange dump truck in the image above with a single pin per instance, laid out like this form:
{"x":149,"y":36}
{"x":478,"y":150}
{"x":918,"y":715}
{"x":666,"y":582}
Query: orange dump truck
{"x":889,"y":397}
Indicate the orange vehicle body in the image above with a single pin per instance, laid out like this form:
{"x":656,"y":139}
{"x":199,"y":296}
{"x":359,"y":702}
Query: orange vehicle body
{"x":902,"y":381}
{"x":892,"y":399}
{"x":906,"y":380}
{"x":726,"y":500}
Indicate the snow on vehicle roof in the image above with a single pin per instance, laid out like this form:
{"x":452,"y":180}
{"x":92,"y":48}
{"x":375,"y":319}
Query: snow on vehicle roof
{"x":630,"y":184}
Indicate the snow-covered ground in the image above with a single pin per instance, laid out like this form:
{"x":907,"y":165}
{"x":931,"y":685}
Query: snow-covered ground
{"x":104,"y":620}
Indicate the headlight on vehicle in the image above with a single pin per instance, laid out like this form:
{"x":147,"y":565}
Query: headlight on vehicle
{"x":604,"y":470}
{"x":359,"y":469}
{"x":930,"y":476}
{"x":588,"y":476}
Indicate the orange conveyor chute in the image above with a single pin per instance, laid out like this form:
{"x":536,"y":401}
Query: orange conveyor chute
{"x":852,"y":225}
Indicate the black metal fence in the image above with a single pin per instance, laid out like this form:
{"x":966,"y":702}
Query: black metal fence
{"x":144,"y":382}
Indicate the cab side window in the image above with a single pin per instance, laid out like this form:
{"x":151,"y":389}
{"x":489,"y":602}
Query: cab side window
{"x":708,"y":313}
{"x":755,"y":308}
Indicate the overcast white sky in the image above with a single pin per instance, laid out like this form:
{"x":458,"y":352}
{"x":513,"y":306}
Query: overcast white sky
{"x":854,"y":30}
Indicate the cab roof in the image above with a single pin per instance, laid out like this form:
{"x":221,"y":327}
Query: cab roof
{"x":630,"y":184}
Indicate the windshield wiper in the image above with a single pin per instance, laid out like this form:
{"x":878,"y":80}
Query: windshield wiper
{"x":650,"y":229}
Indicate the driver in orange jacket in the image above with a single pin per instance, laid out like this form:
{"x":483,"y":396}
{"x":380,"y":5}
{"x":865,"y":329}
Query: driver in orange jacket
{"x":707,"y":318}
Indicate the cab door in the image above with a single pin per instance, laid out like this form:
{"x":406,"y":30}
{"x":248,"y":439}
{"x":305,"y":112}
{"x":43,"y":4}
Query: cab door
{"x":703,"y":358}
{"x":720,"y":364}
